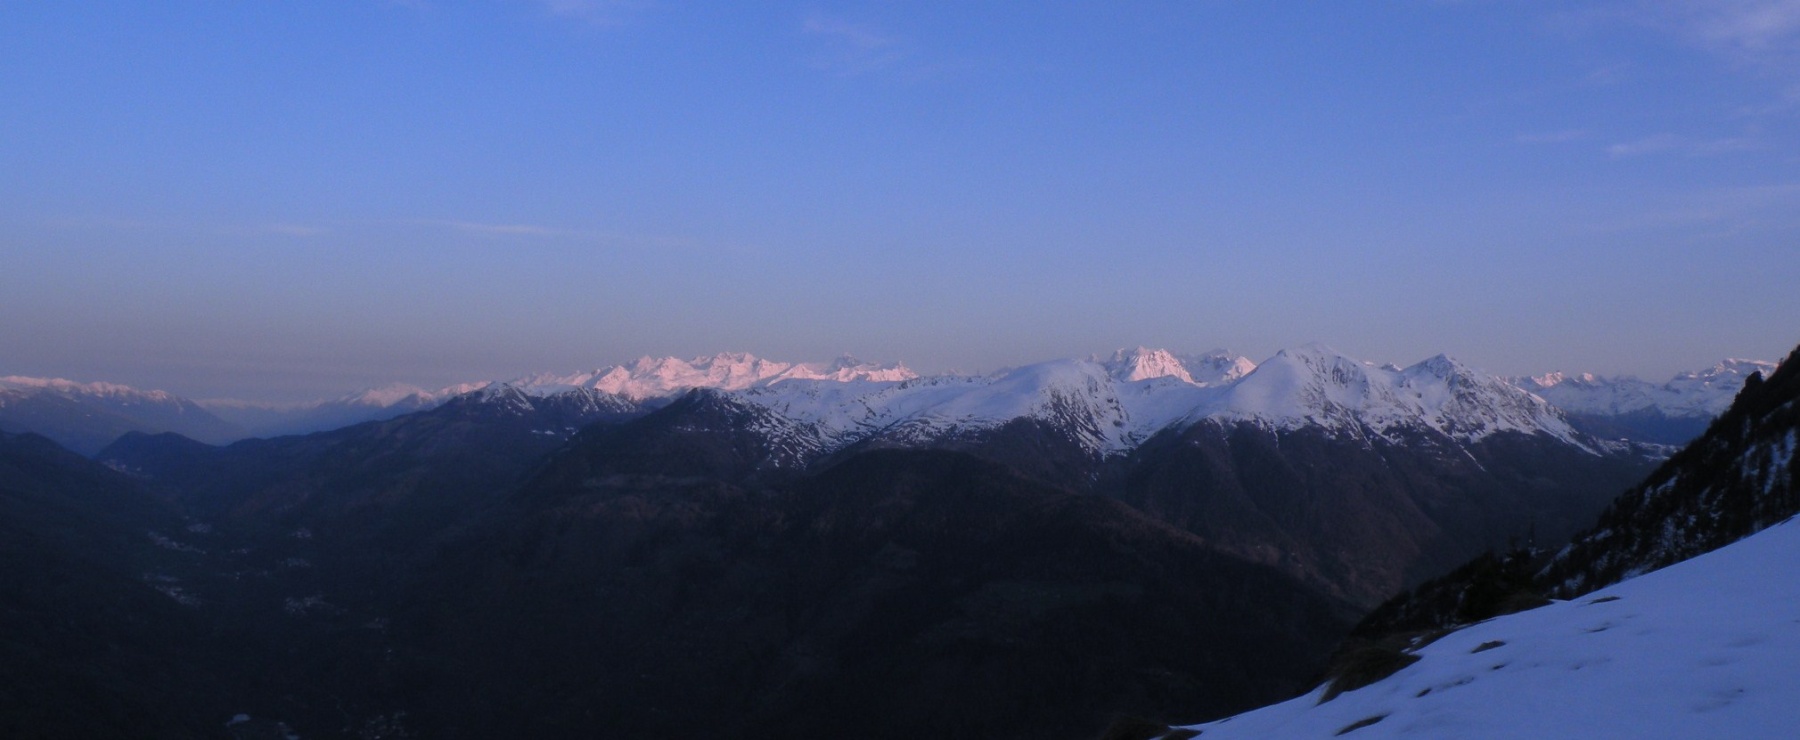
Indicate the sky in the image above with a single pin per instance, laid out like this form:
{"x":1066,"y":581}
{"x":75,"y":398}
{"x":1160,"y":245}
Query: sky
{"x":281,"y":200}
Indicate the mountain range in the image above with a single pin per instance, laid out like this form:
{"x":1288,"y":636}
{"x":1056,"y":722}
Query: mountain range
{"x":811,"y":550}
{"x":86,"y":416}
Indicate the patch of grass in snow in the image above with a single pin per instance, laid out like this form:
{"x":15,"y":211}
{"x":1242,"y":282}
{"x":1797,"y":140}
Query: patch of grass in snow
{"x":1361,"y":723}
{"x":1365,"y":664}
{"x":1489,"y":645}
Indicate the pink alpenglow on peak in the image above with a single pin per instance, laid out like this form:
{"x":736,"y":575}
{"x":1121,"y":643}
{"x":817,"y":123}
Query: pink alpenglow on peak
{"x":1208,"y":369}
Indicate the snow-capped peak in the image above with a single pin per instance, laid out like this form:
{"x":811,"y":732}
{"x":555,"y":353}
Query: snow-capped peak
{"x":1144,"y":363}
{"x":1217,"y":367}
{"x":1208,"y":369}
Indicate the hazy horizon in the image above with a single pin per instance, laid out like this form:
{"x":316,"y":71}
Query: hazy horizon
{"x":283,"y":201}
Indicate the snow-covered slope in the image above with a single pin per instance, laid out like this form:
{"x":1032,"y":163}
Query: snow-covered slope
{"x":1704,"y":393}
{"x":1075,"y":395}
{"x":1317,"y":386}
{"x":1704,"y":648}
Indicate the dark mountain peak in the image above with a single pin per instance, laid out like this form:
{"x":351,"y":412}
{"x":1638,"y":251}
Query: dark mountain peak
{"x":135,"y":444}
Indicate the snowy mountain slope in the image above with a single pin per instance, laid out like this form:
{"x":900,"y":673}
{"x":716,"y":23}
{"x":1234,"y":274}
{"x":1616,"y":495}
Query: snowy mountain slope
{"x":1315,"y":385}
{"x":1075,"y":395}
{"x":650,"y":377}
{"x":1111,"y":407}
{"x":1703,"y":393}
{"x":1704,"y":648}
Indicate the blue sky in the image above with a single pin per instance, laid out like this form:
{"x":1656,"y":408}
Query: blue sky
{"x":286,"y":200}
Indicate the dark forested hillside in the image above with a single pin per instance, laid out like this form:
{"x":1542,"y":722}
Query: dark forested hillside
{"x":94,"y":641}
{"x":896,"y":594}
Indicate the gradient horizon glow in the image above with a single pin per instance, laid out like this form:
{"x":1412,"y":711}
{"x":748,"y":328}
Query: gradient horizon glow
{"x":280,"y":200}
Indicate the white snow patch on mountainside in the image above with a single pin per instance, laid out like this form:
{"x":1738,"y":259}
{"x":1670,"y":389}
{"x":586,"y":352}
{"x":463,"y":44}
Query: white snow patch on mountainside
{"x":1703,"y":648}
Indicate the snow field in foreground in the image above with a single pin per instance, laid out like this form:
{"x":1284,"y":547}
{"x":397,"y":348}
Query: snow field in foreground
{"x":1707,"y":648}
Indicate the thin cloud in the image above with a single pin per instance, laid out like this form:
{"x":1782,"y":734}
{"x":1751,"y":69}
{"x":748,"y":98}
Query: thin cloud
{"x":1748,"y":26}
{"x":1552,"y":137}
{"x":1717,"y":211}
{"x":599,"y":13}
{"x":471,"y":227}
{"x":1611,"y":74}
{"x":1758,"y":33}
{"x":1646,"y":145}
{"x":1670,"y":143}
{"x":851,"y":48}
{"x":553,"y":234}
{"x":291,"y":229}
